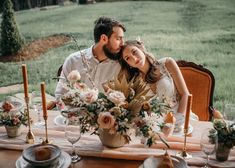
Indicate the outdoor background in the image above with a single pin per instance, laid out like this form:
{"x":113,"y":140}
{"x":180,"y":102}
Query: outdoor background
{"x":202,"y":31}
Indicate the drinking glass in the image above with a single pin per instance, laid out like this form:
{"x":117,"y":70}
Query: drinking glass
{"x":73,"y":134}
{"x":36,"y":100}
{"x":229,"y":112}
{"x":208,"y":145}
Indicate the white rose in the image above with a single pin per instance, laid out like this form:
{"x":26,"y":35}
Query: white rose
{"x":74,"y":76}
{"x":105,"y":120}
{"x":89,"y":96}
{"x":116,"y":97}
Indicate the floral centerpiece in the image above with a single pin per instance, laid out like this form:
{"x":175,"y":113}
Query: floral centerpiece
{"x":225,"y":137}
{"x":12,"y":118}
{"x":123,"y":106}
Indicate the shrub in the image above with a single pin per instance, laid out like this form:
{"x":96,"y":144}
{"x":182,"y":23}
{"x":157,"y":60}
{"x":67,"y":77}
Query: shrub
{"x":11,"y":39}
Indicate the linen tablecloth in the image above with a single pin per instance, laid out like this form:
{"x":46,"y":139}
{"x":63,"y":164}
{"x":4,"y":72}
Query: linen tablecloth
{"x":90,"y":145}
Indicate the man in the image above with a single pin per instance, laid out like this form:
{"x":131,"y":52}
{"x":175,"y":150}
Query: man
{"x":100,"y":58}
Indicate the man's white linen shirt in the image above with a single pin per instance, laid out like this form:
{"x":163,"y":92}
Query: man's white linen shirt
{"x":100,"y":72}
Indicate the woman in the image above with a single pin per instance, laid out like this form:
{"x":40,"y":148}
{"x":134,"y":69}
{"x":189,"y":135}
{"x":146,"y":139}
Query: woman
{"x":164,"y":76}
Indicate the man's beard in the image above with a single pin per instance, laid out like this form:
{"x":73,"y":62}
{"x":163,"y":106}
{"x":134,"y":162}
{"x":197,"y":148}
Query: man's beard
{"x":109,"y":54}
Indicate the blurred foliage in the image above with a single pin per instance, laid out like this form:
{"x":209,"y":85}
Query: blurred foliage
{"x":11,"y":39}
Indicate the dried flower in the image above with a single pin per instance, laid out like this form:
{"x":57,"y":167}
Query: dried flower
{"x":119,"y":109}
{"x":146,"y":106}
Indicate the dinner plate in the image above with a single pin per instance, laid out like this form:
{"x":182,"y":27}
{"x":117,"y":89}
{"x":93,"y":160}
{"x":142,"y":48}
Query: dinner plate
{"x":180,"y":133}
{"x":153,"y":162}
{"x":59,"y":120}
{"x":64,"y":162}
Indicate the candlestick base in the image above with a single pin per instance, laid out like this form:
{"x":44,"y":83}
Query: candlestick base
{"x":184,"y":155}
{"x":30,"y":138}
{"x":45,"y":141}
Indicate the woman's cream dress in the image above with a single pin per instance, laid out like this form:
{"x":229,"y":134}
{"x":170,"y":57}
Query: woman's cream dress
{"x":165,"y":88}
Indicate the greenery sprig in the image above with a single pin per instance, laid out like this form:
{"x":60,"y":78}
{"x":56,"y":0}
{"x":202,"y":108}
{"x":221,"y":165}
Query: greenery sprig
{"x":225,"y":133}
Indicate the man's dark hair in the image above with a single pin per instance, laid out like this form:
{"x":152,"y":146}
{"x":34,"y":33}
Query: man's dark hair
{"x":104,"y":25}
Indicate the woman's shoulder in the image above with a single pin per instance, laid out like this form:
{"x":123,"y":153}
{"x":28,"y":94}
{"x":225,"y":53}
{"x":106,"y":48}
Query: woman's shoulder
{"x":167,"y":61}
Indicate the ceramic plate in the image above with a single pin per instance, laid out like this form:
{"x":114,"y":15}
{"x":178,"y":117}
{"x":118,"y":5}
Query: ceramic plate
{"x":64,"y":162}
{"x":190,"y":130}
{"x":153,"y":162}
{"x":59,"y":120}
{"x":29,"y":154}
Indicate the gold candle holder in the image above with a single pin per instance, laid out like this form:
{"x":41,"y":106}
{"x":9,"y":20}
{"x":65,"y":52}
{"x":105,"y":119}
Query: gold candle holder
{"x":46,"y":141}
{"x":30,"y":136}
{"x":183,"y":153}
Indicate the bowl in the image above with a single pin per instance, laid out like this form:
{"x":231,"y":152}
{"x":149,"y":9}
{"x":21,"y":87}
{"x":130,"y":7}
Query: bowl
{"x":29,"y":155}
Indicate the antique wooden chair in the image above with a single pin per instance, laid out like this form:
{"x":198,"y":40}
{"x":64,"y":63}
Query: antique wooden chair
{"x":200,"y":82}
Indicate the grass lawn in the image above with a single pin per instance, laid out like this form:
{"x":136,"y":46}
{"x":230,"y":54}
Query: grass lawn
{"x":196,"y":30}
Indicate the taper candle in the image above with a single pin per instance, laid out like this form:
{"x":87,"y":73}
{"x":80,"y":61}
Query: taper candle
{"x":44,"y":106}
{"x":188,"y":109}
{"x":25,"y":80}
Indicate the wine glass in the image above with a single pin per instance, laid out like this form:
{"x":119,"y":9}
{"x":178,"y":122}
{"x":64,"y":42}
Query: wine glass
{"x":208,"y":143}
{"x":229,"y":112}
{"x":73,"y":134}
{"x":36,"y":101}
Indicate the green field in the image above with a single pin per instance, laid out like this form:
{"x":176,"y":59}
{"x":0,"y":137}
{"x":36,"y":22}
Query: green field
{"x":195,"y":30}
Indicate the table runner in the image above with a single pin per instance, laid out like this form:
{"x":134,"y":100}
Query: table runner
{"x":90,"y":145}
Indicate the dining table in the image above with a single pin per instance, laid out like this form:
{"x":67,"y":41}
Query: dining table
{"x":95,"y":155}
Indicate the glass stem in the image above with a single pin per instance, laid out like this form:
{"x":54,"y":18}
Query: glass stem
{"x":73,"y":150}
{"x":39,"y":117}
{"x":207,"y":160}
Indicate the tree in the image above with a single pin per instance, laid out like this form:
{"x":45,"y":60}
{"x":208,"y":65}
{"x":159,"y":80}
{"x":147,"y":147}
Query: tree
{"x":11,"y":39}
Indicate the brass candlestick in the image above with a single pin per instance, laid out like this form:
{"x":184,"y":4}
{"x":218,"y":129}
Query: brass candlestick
{"x":29,"y":137}
{"x":183,"y":153}
{"x":46,"y":141}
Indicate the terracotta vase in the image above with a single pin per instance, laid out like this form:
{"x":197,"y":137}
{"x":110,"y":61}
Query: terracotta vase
{"x":222,"y":152}
{"x":111,"y":140}
{"x":13,"y":131}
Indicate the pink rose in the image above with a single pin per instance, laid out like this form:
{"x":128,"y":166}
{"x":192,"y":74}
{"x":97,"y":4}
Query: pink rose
{"x":116,"y":97}
{"x":106,"y":120}
{"x":89,"y":96}
{"x":74,"y":76}
{"x":15,"y":120}
{"x":81,"y":86}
